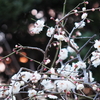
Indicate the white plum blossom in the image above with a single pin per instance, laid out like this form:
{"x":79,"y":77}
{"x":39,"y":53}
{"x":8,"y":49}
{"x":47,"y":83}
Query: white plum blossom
{"x":94,"y":87}
{"x":70,"y":49}
{"x":38,"y":27}
{"x":65,"y":85}
{"x":78,"y":33}
{"x":52,"y":96}
{"x":80,"y":24}
{"x":84,"y":16}
{"x":48,"y":85}
{"x":97,"y":45}
{"x":47,"y":61}
{"x":74,"y":69}
{"x":25,"y":76}
{"x":95,"y":59}
{"x":81,"y":64}
{"x":35,"y":77}
{"x":64,"y":70}
{"x":32,"y":93}
{"x":50,"y":31}
{"x":63,"y":54}
{"x":52,"y":72}
{"x":14,"y":88}
{"x":14,"y":77}
{"x":59,"y":37}
{"x":84,"y":8}
{"x":79,"y":86}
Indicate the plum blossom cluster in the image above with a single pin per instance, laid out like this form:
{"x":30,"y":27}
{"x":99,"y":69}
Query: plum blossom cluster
{"x":68,"y":76}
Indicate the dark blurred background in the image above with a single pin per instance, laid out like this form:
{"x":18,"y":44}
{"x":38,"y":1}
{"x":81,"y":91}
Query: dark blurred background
{"x":15,"y":18}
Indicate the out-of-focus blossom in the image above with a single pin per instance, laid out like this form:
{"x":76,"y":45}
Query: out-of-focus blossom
{"x":50,"y":31}
{"x":84,"y":16}
{"x":84,"y":8}
{"x":78,"y":33}
{"x":34,"y":12}
{"x":79,"y":25}
{"x":39,"y":15}
{"x":51,"y":13}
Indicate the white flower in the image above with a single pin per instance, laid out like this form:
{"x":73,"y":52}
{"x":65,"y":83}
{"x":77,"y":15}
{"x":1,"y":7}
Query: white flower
{"x":59,"y":37}
{"x":25,"y":76}
{"x":50,"y":31}
{"x":39,"y":24}
{"x":84,"y":16}
{"x":52,"y":96}
{"x":63,"y":54}
{"x":47,"y":61}
{"x":94,"y":87}
{"x":64,"y":70}
{"x":70,"y":49}
{"x":81,"y":64}
{"x":80,"y":86}
{"x":14,"y":77}
{"x":97,"y":45}
{"x":84,"y":8}
{"x":95,"y":59}
{"x":52,"y":72}
{"x":78,"y":33}
{"x":79,"y":24}
{"x":15,"y":88}
{"x":35,"y":77}
{"x":38,"y":27}
{"x":32,"y":93}
{"x":48,"y":85}
{"x":65,"y":85}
